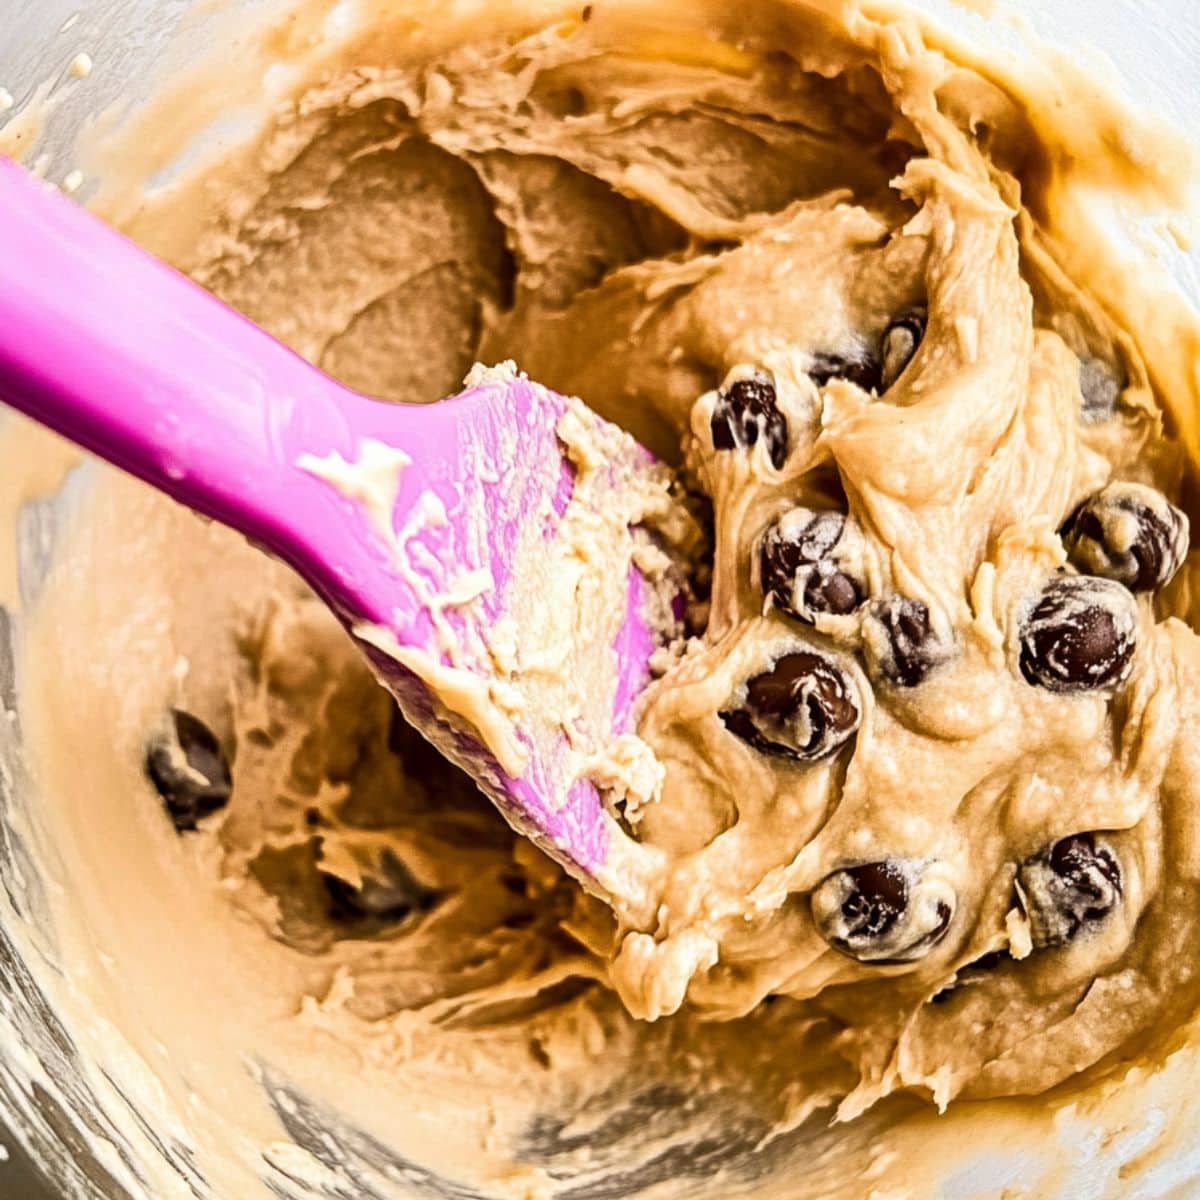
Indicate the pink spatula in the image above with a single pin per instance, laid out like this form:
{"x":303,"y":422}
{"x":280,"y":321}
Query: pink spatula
{"x":441,"y":535}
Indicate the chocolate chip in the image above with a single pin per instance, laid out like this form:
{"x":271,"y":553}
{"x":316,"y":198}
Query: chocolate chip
{"x":900,"y":641}
{"x":804,"y":708}
{"x":799,"y":565}
{"x":746,"y":410}
{"x":1129,"y":533}
{"x":973,"y":972}
{"x":189,"y":770}
{"x":1100,"y":388}
{"x":862,"y":370}
{"x":1081,"y":635}
{"x":387,"y":892}
{"x":989,"y":962}
{"x":833,"y":592}
{"x":900,"y":342}
{"x":1073,"y":883}
{"x":886,"y":912}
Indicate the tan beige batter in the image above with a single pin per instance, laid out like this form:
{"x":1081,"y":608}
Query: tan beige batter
{"x":643,"y":206}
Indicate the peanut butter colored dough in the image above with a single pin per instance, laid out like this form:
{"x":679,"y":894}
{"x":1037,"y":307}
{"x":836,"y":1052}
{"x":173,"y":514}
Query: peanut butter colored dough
{"x":631,"y":201}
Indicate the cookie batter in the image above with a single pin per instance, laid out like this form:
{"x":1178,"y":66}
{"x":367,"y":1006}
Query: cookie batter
{"x":920,"y":775}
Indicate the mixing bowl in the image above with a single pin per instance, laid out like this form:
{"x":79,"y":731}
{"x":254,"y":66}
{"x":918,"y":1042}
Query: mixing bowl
{"x":96,"y":1123}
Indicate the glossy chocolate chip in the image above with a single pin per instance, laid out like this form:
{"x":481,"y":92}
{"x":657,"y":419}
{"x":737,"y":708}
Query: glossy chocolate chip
{"x":1080,"y":635}
{"x":804,"y":708}
{"x":1129,"y":533}
{"x":189,"y":770}
{"x":862,"y":370}
{"x":900,"y":640}
{"x":388,"y":891}
{"x":746,"y":410}
{"x":799,"y":565}
{"x":892,"y":911}
{"x":1076,"y":882}
{"x":901,"y":340}
{"x":832,"y":592}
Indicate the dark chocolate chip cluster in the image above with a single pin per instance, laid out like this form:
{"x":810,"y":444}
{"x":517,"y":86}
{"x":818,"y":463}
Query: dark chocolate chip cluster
{"x":896,"y":911}
{"x":190,"y":771}
{"x":1078,"y":634}
{"x":803,"y":706}
{"x":746,"y":411}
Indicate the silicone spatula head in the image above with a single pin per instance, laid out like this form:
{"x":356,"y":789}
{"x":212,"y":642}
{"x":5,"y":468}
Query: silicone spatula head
{"x":494,"y":553}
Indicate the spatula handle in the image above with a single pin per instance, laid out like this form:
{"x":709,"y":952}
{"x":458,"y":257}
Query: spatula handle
{"x":132,"y":360}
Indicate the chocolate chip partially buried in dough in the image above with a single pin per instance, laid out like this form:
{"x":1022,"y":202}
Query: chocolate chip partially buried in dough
{"x":901,"y":340}
{"x":1080,"y":635}
{"x":900,"y":641}
{"x":1129,"y":533}
{"x":975,"y":971}
{"x":803,"y":708}
{"x":886,"y":912}
{"x":747,"y":411}
{"x":862,"y":370}
{"x":799,"y":569}
{"x":1074,"y":883}
{"x":189,"y":770}
{"x":387,"y":892}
